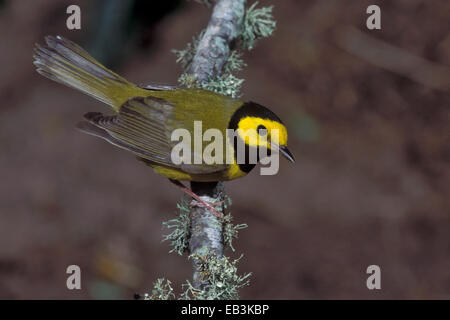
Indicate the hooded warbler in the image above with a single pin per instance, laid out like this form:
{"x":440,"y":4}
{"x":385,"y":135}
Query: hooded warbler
{"x":144,"y":117}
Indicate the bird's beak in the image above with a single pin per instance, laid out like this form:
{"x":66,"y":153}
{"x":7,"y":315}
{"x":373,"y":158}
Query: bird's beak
{"x":287,"y":154}
{"x":284,"y":151}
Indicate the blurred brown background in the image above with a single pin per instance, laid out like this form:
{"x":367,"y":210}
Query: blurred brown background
{"x":368,"y":114}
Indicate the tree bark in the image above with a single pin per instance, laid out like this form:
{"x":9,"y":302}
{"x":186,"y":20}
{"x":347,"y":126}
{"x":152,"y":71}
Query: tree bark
{"x":213,"y":50}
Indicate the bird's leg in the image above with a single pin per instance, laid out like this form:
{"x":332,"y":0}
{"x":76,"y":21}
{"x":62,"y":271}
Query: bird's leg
{"x":209,"y":205}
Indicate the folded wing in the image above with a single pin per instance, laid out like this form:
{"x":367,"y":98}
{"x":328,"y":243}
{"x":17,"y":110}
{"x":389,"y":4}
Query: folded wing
{"x":141,"y":127}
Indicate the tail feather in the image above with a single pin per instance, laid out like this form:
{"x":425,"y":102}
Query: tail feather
{"x":65,"y":62}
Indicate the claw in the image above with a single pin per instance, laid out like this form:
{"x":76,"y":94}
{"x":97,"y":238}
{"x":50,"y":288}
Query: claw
{"x":208,"y":205}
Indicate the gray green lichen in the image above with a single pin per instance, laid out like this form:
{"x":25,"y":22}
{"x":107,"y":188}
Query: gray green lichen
{"x":162,"y":290}
{"x":258,"y":23}
{"x":180,"y":226}
{"x":223,"y":279}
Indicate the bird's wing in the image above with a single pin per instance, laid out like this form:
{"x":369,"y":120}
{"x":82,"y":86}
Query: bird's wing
{"x":141,"y":126}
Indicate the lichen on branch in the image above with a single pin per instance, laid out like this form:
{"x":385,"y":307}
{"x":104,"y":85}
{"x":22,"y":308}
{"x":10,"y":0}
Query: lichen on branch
{"x":258,"y":24}
{"x":224,"y":281}
{"x":162,"y":290}
{"x":214,"y":70}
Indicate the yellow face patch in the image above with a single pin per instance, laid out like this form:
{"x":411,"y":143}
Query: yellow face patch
{"x":248,"y":128}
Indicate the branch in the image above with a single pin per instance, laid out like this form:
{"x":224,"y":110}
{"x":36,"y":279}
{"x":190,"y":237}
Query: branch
{"x":214,"y":48}
{"x":213,"y":51}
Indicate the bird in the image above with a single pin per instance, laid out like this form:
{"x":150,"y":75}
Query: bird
{"x":144,"y":117}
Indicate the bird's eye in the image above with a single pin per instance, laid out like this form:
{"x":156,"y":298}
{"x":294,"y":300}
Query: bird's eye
{"x":261,"y":130}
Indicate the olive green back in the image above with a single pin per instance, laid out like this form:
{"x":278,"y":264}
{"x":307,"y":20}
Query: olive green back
{"x":214,"y":110}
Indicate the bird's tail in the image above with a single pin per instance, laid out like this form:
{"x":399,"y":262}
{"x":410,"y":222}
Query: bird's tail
{"x":63,"y":61}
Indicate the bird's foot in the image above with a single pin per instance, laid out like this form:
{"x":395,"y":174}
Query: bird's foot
{"x":211,"y":206}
